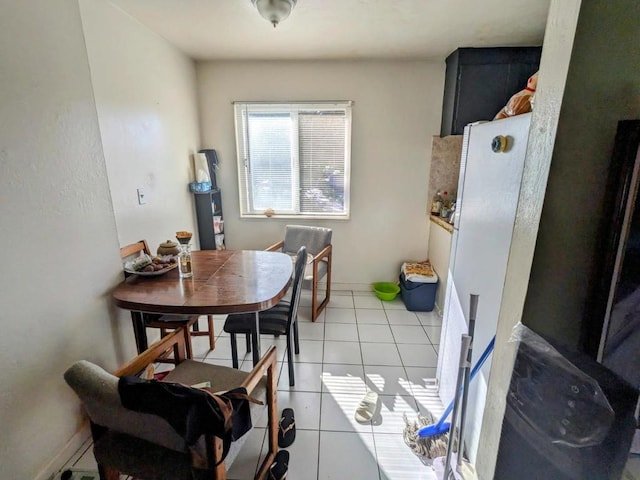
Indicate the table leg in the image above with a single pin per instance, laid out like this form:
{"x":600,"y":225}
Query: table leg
{"x":255,"y":339}
{"x":139,"y":331}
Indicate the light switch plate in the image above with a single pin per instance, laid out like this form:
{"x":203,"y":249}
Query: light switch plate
{"x":141,"y":196}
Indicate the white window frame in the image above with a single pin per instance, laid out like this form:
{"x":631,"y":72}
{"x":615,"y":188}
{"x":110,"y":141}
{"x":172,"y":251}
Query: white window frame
{"x":245,"y":192}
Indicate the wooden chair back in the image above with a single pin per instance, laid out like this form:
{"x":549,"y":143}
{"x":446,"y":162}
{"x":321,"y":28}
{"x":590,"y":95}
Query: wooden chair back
{"x":135,"y":249}
{"x":298,"y":277}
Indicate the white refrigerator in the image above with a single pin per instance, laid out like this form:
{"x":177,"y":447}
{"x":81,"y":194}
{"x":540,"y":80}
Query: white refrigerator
{"x":488,"y":190}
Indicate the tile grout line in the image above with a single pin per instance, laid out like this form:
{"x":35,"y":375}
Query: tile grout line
{"x":324,"y":332}
{"x":367,"y":389}
{"x":375,"y":449}
{"x":404,"y":367}
{"x":375,"y":445}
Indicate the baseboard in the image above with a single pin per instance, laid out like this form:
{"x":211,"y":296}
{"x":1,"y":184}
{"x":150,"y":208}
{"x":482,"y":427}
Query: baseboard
{"x":66,"y":454}
{"x":345,"y":287}
{"x":353,"y":287}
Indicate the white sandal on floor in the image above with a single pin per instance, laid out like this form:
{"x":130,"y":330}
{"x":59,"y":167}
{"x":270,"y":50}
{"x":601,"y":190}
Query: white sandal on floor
{"x":367,"y":408}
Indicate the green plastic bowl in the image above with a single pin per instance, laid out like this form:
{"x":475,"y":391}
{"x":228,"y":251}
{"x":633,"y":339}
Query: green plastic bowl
{"x":386,"y":291}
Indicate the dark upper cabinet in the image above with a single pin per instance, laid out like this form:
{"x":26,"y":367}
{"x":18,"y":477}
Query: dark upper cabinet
{"x":480,"y":81}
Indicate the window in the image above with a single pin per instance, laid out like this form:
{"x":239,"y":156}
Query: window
{"x":294,"y":159}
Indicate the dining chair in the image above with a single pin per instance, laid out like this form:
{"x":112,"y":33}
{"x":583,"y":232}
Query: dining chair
{"x":171,"y":322}
{"x":318,"y":243}
{"x":186,"y":441}
{"x":282,"y":319}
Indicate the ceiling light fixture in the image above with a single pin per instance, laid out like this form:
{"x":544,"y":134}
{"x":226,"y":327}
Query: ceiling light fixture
{"x":274,"y":10}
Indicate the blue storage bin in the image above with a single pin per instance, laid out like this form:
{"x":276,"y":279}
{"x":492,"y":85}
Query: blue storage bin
{"x":418,"y":297}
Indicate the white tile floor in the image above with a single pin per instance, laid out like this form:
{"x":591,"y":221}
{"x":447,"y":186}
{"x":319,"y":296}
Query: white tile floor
{"x":359,"y":343}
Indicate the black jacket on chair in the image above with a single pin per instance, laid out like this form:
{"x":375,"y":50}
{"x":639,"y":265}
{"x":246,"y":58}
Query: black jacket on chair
{"x":192,"y":412}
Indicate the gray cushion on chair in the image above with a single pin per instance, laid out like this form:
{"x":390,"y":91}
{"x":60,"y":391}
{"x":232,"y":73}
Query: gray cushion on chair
{"x":191,"y":372}
{"x":98,"y":391}
{"x":314,"y":238}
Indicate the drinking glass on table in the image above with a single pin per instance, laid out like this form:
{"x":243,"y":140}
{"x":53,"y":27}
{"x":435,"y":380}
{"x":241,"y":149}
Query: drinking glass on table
{"x":184,"y":261}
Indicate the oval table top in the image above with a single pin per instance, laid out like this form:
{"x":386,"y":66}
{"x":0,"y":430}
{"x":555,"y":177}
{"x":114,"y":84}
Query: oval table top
{"x":223,"y":281}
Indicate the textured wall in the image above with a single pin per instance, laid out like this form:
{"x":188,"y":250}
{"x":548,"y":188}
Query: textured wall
{"x":61,"y":257}
{"x":145,"y":91}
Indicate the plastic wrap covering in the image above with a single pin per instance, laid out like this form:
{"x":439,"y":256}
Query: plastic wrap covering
{"x":558,"y":425}
{"x":559,"y":403}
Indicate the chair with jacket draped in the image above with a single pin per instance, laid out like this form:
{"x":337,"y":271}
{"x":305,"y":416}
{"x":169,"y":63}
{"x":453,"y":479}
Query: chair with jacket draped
{"x":196,"y":438}
{"x":317,"y":240}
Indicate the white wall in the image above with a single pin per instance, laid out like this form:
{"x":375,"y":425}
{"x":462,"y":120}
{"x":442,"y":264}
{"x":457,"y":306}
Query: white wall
{"x":56,"y":207}
{"x":61,"y":249}
{"x":145,"y":93}
{"x":397,"y":109}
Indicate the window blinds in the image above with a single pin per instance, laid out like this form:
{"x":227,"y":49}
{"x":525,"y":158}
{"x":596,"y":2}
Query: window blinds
{"x":294,"y":158}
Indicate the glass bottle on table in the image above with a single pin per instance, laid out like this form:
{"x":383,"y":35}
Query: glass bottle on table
{"x":184,"y":261}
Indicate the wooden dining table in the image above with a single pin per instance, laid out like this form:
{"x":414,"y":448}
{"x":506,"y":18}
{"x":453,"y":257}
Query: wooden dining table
{"x":223,"y":282}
